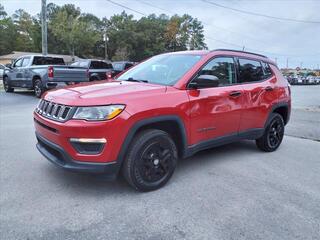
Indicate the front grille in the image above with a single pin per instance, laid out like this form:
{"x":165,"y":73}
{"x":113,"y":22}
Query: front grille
{"x":54,"y":111}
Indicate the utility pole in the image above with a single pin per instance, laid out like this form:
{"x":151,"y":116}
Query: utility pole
{"x":105,"y":39}
{"x":44,"y":27}
{"x":287,"y":62}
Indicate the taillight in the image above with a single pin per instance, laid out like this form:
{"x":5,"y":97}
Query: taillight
{"x":289,"y":88}
{"x":108,"y":75}
{"x":50,"y":71}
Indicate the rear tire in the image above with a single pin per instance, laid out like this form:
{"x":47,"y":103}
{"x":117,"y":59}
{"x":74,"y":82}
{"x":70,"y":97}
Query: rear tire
{"x":38,"y":88}
{"x":273,"y":134}
{"x":6,"y":85}
{"x":150,"y":161}
{"x":94,"y":79}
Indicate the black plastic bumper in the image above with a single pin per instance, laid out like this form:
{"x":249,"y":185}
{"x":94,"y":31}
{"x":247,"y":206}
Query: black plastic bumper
{"x":58,"y":156}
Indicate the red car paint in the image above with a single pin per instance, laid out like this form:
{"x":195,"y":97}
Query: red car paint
{"x":206,"y":114}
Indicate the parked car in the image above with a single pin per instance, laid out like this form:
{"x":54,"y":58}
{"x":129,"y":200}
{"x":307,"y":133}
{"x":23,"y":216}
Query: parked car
{"x":40,"y":73}
{"x":168,"y":107}
{"x":312,"y":80}
{"x":121,"y":66}
{"x":2,"y":67}
{"x":96,"y":69}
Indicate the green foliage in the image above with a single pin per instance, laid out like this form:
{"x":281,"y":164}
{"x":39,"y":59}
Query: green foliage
{"x":313,"y":74}
{"x":72,"y":32}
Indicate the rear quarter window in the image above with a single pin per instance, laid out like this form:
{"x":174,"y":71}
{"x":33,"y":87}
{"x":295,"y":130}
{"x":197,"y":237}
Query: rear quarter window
{"x":266,"y":70}
{"x":250,"y":71}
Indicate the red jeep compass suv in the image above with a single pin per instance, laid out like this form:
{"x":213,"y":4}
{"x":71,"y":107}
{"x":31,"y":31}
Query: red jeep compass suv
{"x":167,"y":107}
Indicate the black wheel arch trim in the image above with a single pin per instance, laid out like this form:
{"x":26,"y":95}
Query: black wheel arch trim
{"x":276,"y":106}
{"x":138,"y":125}
{"x":34,"y":78}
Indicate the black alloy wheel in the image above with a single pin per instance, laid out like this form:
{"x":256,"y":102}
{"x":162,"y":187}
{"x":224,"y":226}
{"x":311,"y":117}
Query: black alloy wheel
{"x":150,"y":161}
{"x":38,"y":88}
{"x":273,"y":134}
{"x":155,"y":162}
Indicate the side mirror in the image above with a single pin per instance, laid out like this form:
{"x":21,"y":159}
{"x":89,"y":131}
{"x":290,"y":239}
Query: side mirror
{"x":8,"y":65}
{"x":204,"y":81}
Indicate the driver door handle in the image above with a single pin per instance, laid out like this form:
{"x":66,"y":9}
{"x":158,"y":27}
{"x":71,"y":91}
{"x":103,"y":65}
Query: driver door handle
{"x":235,"y":94}
{"x":268,"y":89}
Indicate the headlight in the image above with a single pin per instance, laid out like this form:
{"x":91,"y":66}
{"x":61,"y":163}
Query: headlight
{"x":98,"y":112}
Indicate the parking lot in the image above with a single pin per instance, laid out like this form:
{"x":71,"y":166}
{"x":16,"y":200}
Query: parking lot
{"x":230,"y":192}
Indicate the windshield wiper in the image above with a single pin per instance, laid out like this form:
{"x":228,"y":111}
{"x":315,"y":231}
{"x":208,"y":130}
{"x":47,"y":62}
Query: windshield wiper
{"x":130,"y":79}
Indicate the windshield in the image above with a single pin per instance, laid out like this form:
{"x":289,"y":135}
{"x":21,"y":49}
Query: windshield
{"x":164,"y":69}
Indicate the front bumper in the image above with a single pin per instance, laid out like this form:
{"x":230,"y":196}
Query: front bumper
{"x":58,"y":156}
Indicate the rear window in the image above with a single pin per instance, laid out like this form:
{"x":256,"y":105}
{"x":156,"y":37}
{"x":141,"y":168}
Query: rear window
{"x":250,"y":71}
{"x":48,"y":61}
{"x":100,"y":65}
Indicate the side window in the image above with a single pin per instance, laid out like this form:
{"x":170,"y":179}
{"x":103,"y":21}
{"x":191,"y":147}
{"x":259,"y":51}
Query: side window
{"x":250,"y":71}
{"x":118,"y":66}
{"x":100,"y":65}
{"x":18,"y":63}
{"x":267,"y":70}
{"x":1,"y":66}
{"x":223,"y":68}
{"x":26,"y":61}
{"x":83,"y":64}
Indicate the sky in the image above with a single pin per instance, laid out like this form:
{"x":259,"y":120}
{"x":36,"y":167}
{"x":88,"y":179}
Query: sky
{"x":295,"y":43}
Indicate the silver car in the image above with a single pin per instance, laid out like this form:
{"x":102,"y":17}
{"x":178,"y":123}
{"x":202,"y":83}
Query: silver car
{"x":2,"y":67}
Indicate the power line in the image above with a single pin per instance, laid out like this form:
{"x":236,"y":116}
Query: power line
{"x":214,"y":39}
{"x":154,"y":6}
{"x":206,"y":23}
{"x":120,"y":5}
{"x":260,"y":14}
{"x":229,"y":43}
{"x":225,"y":42}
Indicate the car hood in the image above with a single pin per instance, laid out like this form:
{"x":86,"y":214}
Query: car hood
{"x":102,"y":93}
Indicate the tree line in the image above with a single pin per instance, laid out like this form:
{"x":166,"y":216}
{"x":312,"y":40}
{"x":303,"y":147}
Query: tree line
{"x":73,"y":32}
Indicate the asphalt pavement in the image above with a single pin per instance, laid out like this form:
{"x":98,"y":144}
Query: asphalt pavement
{"x":305,"y":114}
{"x":231,"y":192}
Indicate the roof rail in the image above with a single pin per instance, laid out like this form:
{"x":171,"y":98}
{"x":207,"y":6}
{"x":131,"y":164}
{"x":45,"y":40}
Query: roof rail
{"x":221,"y":49}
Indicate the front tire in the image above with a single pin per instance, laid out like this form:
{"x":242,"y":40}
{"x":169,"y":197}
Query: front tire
{"x":273,"y":134}
{"x":38,"y":88}
{"x":150,"y":161}
{"x":6,"y":85}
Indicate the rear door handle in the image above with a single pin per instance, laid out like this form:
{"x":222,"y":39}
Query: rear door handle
{"x":235,"y":94}
{"x":268,"y":89}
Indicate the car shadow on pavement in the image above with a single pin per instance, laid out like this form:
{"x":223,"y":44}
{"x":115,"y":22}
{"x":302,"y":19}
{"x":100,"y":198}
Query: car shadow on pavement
{"x":97,"y":185}
{"x":89,"y":184}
